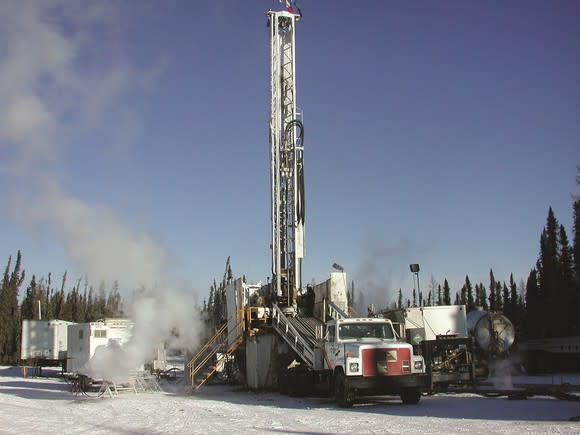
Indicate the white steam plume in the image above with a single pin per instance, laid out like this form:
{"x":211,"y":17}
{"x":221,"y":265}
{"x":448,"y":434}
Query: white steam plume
{"x":162,"y":317}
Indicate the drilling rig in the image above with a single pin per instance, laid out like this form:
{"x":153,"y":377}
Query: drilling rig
{"x":287,"y":163}
{"x":313,"y":346}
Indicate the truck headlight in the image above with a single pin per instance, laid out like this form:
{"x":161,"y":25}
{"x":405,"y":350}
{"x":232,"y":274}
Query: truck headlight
{"x":418,"y":365}
{"x":353,"y":367}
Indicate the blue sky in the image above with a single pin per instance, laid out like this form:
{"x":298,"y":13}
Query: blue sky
{"x":134,"y":138}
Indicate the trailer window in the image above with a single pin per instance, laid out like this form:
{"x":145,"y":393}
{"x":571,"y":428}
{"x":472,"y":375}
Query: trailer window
{"x":100,"y":333}
{"x":81,"y":334}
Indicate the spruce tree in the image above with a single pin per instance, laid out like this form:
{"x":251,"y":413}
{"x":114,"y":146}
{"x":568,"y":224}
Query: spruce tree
{"x":492,"y":298}
{"x":506,"y":304}
{"x":514,"y":309}
{"x":9,"y":310}
{"x":498,"y":298}
{"x":27,"y":306}
{"x":463,"y":297}
{"x":549,"y":274}
{"x":534,"y":324}
{"x":446,"y":293}
{"x":567,"y":322}
{"x":469,"y":288}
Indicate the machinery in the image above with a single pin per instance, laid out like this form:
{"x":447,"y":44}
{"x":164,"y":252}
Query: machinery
{"x":494,"y":333}
{"x":441,"y":335}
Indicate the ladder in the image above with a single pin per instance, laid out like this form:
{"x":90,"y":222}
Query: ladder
{"x":204,"y":364}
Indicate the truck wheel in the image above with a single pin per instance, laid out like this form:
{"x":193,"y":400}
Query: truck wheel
{"x":411,"y":396}
{"x":343,"y":394}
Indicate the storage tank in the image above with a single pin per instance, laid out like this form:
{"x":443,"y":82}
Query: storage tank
{"x":493,"y":332}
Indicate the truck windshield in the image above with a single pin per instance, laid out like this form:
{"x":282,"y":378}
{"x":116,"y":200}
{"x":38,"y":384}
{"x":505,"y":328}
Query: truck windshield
{"x":365,"y":330}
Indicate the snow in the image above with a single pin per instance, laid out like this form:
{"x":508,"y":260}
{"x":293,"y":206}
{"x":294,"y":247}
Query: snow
{"x":47,"y":405}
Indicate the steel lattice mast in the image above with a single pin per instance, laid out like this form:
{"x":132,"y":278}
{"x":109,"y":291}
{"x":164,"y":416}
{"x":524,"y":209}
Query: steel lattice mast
{"x":286,"y":153}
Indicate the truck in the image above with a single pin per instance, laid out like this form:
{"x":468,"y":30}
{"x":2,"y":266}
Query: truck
{"x":346,"y":357}
{"x":364,"y":356}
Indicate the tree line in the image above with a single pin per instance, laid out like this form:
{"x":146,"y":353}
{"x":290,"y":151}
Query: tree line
{"x":81,"y":303}
{"x":546,"y":306}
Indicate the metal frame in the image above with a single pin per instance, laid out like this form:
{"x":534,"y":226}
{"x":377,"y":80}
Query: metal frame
{"x":286,"y":153}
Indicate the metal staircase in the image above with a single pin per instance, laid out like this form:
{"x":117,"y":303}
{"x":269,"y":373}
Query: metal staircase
{"x":205,"y":363}
{"x":304,"y":344}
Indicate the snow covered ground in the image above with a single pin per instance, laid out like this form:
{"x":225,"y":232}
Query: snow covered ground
{"x":46,"y":405}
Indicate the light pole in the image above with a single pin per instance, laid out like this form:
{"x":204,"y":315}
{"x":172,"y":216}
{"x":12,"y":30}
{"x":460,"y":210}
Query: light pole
{"x":415,"y":271}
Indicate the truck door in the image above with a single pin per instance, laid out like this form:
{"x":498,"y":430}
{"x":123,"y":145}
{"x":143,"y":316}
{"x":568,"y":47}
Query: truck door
{"x":334,"y":354}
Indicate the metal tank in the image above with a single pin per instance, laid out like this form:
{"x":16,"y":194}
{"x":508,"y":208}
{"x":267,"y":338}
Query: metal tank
{"x":493,"y":332}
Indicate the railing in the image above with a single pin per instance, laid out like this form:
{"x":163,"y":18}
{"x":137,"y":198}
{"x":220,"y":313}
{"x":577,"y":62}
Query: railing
{"x":204,"y":357}
{"x":336,"y":313}
{"x":292,"y":337}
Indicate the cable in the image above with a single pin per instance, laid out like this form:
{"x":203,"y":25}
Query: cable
{"x":300,"y":206}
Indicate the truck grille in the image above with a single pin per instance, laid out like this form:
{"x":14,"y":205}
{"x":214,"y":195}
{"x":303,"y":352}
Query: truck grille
{"x":385,"y":361}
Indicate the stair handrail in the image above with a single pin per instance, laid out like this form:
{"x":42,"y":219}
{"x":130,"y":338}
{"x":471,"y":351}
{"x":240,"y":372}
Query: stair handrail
{"x":335,"y":312}
{"x":210,"y":349}
{"x":292,"y":336}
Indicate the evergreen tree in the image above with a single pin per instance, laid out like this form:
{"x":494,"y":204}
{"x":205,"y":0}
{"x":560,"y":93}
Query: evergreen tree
{"x":9,"y":310}
{"x":463,"y":297}
{"x":469,"y":289}
{"x":492,"y":298}
{"x":548,"y":273}
{"x":439,"y":295}
{"x":514,"y":310}
{"x":400,"y":299}
{"x":90,"y":314}
{"x":446,"y":293}
{"x":567,"y":324}
{"x":533,"y":323}
{"x":498,"y":298}
{"x":27,"y":306}
{"x":506,"y":301}
{"x":457,"y":299}
{"x":483,"y":291}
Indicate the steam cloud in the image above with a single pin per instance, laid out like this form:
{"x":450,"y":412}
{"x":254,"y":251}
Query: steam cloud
{"x":384,"y":269}
{"x":54,"y":89}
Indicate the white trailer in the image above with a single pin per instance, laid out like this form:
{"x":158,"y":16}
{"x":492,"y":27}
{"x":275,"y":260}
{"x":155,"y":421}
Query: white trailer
{"x":85,"y":338}
{"x":44,"y":342}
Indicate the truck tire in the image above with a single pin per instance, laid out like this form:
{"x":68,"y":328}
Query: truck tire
{"x":343,"y":394}
{"x":411,"y":396}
